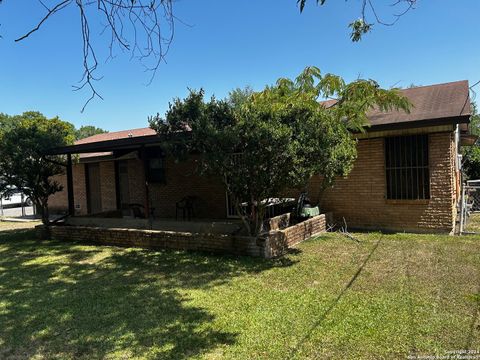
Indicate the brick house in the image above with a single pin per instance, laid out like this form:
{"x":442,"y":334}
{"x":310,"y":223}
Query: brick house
{"x":406,"y":177}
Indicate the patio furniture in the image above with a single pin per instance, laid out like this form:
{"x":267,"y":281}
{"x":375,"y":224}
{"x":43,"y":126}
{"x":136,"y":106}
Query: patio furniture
{"x":304,"y":209}
{"x":137,"y":210}
{"x":309,"y":211}
{"x":185,"y":205}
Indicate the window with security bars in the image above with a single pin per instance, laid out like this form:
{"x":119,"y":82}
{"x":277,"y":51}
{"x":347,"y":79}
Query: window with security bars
{"x":406,"y":164}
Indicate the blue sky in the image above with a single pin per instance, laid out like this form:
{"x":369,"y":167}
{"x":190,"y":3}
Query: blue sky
{"x":231,"y":44}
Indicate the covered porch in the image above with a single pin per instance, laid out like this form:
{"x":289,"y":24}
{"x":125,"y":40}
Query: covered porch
{"x":132,"y":178}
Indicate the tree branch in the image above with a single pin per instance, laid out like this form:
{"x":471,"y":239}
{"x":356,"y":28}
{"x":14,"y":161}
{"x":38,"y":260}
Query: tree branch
{"x":50,"y":12}
{"x":136,"y":26}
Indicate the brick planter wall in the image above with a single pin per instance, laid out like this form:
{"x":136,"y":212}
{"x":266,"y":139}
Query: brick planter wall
{"x":279,"y":241}
{"x":155,"y":239}
{"x":274,"y":244}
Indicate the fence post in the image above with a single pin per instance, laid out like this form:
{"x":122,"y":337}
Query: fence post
{"x":462,"y":209}
{"x":22,"y":201}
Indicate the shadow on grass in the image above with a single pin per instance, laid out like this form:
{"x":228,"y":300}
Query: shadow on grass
{"x":62,"y":300}
{"x":318,"y":322}
{"x":474,"y":325}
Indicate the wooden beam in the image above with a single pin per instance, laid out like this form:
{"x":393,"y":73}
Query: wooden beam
{"x":144,"y":157}
{"x":71,"y":200}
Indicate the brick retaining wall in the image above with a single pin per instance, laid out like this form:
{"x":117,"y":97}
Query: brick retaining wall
{"x":280,"y":240}
{"x":274,"y":244}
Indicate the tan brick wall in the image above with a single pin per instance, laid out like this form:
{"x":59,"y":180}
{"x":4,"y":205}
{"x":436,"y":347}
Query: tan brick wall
{"x":136,"y":179}
{"x":360,"y":198}
{"x":238,"y":245}
{"x":279,"y":241}
{"x":80,"y":189}
{"x":107,"y":186}
{"x":58,"y":202}
{"x":182,"y":180}
{"x":274,"y":244}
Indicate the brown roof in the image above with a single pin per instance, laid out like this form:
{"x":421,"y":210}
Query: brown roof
{"x":112,"y":136}
{"x":448,"y":101}
{"x":116,"y":135}
{"x":433,"y":102}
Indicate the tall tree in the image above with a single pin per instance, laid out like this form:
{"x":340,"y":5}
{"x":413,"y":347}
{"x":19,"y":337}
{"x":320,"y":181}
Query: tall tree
{"x":87,"y":131}
{"x":471,"y":154}
{"x":277,"y":138}
{"x":23,"y":163}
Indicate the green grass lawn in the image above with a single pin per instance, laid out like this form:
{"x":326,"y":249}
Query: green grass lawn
{"x":386,"y":297}
{"x":14,"y":225}
{"x":473,"y":223}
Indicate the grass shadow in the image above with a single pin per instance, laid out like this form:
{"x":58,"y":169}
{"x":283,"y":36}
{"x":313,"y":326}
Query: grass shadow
{"x":70,"y":301}
{"x":318,"y":322}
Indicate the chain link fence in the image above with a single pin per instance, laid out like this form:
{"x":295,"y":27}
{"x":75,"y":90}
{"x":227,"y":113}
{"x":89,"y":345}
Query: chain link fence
{"x":470,"y":208}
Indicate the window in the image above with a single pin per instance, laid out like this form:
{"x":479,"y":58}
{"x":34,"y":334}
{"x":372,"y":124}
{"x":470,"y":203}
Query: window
{"x":406,"y":164}
{"x":156,"y":165}
{"x":156,"y":170}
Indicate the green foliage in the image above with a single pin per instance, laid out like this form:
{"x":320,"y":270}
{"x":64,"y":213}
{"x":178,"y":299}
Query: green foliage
{"x":87,"y":131}
{"x":23,"y":163}
{"x":475,"y":121}
{"x":471,"y":154}
{"x":471,"y":162}
{"x":302,"y":3}
{"x":277,"y":138}
{"x":359,"y":28}
{"x":6,"y":122}
{"x":238,"y":96}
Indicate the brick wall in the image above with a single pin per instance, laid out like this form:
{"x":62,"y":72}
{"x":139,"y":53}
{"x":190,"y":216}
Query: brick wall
{"x":274,"y":244}
{"x":58,"y":202}
{"x":183,"y":180}
{"x":279,"y":241}
{"x":360,"y":197}
{"x":158,"y":239}
{"x":80,"y":189}
{"x":136,"y":181}
{"x":107,"y":186}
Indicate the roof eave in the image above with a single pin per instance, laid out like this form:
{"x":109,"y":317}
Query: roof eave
{"x":464,"y":119}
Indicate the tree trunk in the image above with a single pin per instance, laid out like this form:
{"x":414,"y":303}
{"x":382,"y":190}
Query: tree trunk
{"x":45,"y":213}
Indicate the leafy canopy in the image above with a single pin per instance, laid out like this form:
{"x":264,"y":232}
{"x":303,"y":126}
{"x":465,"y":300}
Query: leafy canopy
{"x":87,"y":131}
{"x":471,"y":154}
{"x":23,"y":164}
{"x":261,"y":144}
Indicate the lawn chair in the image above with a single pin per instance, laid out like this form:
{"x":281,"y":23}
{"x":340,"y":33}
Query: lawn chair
{"x":137,"y":210}
{"x":186,"y":207}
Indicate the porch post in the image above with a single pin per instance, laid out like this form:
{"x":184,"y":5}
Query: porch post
{"x":71,"y":201}
{"x":145,"y":171}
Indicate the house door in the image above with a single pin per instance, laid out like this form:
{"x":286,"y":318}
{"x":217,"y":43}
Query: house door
{"x":94,"y":195}
{"x":123,"y":186}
